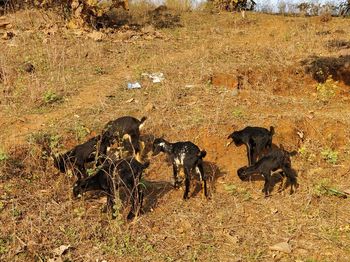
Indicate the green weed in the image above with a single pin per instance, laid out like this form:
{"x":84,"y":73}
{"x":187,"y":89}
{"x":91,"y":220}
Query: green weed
{"x":327,"y":90}
{"x":3,"y":155}
{"x":51,"y":97}
{"x":330,"y":156}
{"x":238,"y":113}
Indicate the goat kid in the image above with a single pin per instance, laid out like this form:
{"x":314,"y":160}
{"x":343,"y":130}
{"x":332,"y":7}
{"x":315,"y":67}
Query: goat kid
{"x":126,"y":128}
{"x":184,"y":155}
{"x":276,"y":160}
{"x":76,"y":158}
{"x":112,"y":175}
{"x":256,"y":139}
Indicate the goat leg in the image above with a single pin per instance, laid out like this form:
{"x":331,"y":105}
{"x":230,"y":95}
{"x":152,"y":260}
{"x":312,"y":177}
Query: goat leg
{"x":249,"y":155}
{"x":203,"y":179}
{"x":135,"y":198}
{"x":266,"y":189}
{"x":187,"y":183}
{"x":177,"y":183}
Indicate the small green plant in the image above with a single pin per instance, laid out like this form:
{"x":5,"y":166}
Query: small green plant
{"x":79,"y":212}
{"x":3,"y":246}
{"x":100,"y":71}
{"x":320,"y":188}
{"x":230,"y":188}
{"x":16,"y":212}
{"x":3,"y":155}
{"x":238,"y":113}
{"x":49,"y":141}
{"x":306,"y":154}
{"x":81,"y":132}
{"x":51,"y":97}
{"x":325,"y":188}
{"x":327,"y":90}
{"x":330,"y":156}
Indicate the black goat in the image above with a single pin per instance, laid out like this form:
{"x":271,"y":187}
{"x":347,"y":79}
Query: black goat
{"x":184,"y":155}
{"x":276,"y":160}
{"x":76,"y":158}
{"x":113,"y":174}
{"x":123,"y":128}
{"x":256,"y":140}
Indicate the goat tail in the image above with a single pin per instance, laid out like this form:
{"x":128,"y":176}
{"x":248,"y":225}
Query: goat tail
{"x":143,"y":119}
{"x":272,"y":130}
{"x":202,"y":154}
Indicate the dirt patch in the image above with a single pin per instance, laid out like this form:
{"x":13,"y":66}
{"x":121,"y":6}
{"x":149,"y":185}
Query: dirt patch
{"x":229,"y":81}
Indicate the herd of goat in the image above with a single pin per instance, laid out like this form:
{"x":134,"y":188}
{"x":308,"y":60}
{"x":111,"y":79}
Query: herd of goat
{"x":117,"y":155}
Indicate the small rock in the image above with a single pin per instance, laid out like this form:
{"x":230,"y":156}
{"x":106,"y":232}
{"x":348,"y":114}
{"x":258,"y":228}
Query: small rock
{"x":282,"y":247}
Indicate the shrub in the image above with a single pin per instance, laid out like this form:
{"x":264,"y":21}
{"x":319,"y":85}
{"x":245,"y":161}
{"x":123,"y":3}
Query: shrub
{"x":327,"y":90}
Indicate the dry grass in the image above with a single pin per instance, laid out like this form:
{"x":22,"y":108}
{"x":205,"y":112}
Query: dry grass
{"x":37,"y":212}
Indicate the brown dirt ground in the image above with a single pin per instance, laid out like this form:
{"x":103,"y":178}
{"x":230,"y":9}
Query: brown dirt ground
{"x":37,"y":211}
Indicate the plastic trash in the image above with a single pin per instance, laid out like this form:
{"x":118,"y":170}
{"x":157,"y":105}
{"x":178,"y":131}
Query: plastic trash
{"x":135,"y":85}
{"x":156,"y":77}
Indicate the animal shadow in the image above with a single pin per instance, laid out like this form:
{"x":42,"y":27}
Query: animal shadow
{"x":276,"y":178}
{"x":153,"y":192}
{"x":213,"y":173}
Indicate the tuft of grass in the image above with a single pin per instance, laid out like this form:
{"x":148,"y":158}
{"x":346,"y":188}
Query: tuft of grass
{"x":306,"y":153}
{"x":51,"y":97}
{"x":3,"y":155}
{"x":238,"y":113}
{"x":231,"y":189}
{"x":325,"y":188}
{"x":81,"y":132}
{"x":327,"y":90}
{"x":3,"y":245}
{"x":100,"y":71}
{"x":330,"y":156}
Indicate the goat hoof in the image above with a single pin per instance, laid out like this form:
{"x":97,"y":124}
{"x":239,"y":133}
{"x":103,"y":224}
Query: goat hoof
{"x":177,"y":185}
